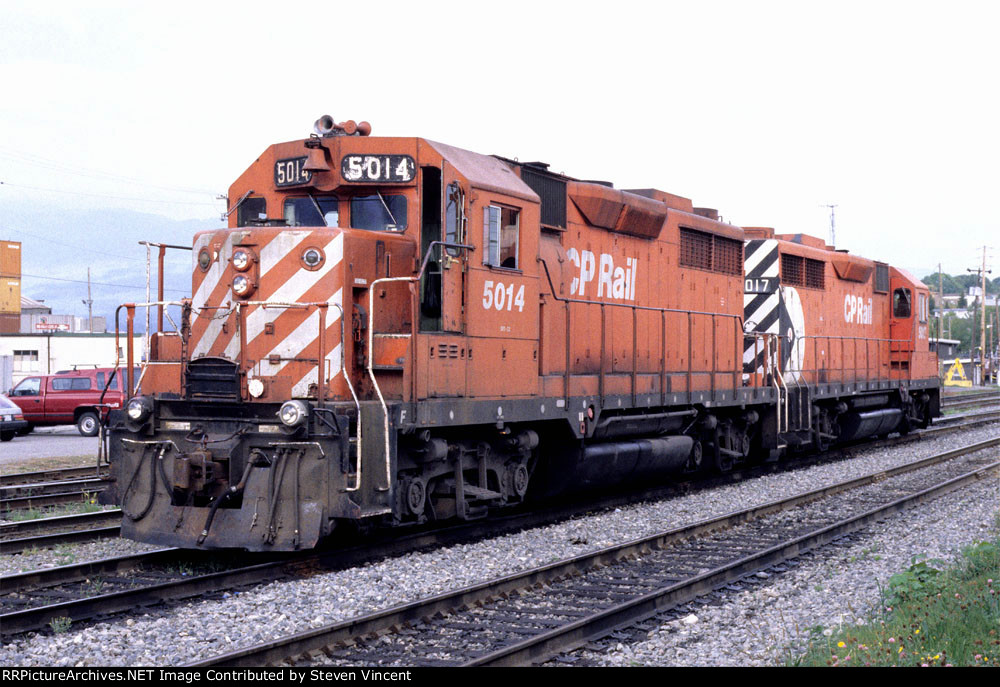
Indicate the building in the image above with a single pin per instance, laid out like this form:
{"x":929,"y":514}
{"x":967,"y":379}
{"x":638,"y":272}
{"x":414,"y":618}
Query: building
{"x":945,"y":348}
{"x":51,"y":351}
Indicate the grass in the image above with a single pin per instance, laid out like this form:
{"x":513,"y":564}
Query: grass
{"x":35,"y":464}
{"x":930,"y":615}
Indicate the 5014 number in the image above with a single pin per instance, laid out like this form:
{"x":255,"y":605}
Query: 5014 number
{"x":499,"y":296}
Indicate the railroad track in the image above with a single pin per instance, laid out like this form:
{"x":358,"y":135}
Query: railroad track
{"x":970,"y":400}
{"x":529,"y":617}
{"x":52,"y":494}
{"x":38,"y":533}
{"x":70,"y":591}
{"x":54,"y":475}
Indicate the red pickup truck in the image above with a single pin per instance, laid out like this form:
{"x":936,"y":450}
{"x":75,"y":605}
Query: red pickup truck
{"x":70,"y":397}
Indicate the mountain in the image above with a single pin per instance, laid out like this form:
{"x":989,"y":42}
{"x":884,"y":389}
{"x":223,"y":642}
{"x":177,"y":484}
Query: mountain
{"x":58,"y":244}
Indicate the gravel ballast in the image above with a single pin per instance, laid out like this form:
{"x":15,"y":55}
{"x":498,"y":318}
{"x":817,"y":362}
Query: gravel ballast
{"x":750,"y":629}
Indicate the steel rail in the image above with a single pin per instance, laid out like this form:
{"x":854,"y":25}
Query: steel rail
{"x":388,"y":544}
{"x":9,"y":531}
{"x":40,"y":541}
{"x":54,"y":475}
{"x":970,"y":402}
{"x":44,"y":500}
{"x":304,"y":643}
{"x":58,"y":487}
{"x":575,"y":635}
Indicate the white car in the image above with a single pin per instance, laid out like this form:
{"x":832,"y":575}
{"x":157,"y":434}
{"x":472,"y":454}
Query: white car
{"x":11,"y":419}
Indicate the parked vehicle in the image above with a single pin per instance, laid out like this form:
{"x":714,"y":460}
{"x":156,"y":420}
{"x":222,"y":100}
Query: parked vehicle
{"x":72,"y":396}
{"x":11,"y":419}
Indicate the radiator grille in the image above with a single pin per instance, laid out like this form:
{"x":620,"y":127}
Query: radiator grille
{"x":706,"y":251}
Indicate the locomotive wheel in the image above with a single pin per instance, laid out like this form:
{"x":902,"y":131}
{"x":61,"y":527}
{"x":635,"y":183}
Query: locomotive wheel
{"x":416,"y":495}
{"x":744,"y":446}
{"x":695,"y":457}
{"x":519,"y":479}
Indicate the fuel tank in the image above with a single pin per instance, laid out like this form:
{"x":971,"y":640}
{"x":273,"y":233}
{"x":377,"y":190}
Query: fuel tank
{"x":856,"y":425}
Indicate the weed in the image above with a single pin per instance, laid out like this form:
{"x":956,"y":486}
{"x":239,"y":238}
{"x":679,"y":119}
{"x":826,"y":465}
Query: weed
{"x":930,"y":615}
{"x":60,"y":624}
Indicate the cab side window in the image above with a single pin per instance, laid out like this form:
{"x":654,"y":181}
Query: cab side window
{"x":501,"y":234}
{"x":250,"y":211}
{"x":901,"y":303}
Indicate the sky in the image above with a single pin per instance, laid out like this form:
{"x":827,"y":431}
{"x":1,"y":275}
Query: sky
{"x":767,"y":111}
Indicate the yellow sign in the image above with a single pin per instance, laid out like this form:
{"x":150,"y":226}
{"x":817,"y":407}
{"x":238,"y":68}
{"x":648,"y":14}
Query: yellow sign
{"x":956,"y":375}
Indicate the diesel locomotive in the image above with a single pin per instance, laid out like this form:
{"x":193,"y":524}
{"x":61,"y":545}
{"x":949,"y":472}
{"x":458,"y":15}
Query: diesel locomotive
{"x":395,"y":330}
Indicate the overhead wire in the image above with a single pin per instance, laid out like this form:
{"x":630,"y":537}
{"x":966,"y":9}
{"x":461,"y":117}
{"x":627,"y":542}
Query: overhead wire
{"x":77,"y":170}
{"x":105,"y":195}
{"x":95,"y":283}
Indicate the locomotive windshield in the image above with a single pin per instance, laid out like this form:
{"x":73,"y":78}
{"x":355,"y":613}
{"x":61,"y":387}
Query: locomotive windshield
{"x":313,"y":211}
{"x":379,"y":212}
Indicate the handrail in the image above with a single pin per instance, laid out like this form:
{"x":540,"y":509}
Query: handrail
{"x":159,"y":276}
{"x":130,"y":318}
{"x":855,"y":369}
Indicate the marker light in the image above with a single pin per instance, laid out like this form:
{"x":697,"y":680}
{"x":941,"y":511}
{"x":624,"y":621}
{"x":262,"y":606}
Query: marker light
{"x":312,"y":257}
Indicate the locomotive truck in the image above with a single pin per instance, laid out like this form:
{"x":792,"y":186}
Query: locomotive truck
{"x":395,"y":330}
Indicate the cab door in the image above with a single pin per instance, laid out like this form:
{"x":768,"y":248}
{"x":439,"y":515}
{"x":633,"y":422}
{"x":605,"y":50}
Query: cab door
{"x":443,"y":291}
{"x":454,"y":261}
{"x":442,"y":284}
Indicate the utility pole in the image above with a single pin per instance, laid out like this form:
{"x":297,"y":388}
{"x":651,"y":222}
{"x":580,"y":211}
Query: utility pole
{"x":982,"y":318}
{"x":940,"y":306}
{"x":90,"y":305}
{"x":833,"y":225}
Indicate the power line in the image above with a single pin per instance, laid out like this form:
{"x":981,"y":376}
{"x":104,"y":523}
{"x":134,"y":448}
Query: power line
{"x":105,"y":195}
{"x":76,"y":170}
{"x":80,"y":281}
{"x":74,"y":246}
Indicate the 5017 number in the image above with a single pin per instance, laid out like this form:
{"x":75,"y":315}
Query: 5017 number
{"x":499,"y":296}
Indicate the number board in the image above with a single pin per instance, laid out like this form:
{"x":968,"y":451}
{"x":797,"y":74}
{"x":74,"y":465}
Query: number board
{"x":383,"y":169}
{"x":761,"y":285}
{"x":289,"y":172}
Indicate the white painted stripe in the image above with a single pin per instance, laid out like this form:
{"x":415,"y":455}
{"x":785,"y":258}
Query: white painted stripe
{"x":295,"y":343}
{"x":765,"y":251}
{"x":301,"y":388}
{"x":215,"y":271}
{"x":200,"y":299}
{"x":293,"y":290}
{"x":760,"y":313}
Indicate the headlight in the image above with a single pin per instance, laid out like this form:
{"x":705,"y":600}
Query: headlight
{"x":139,"y":408}
{"x":242,"y":285}
{"x":241,"y":260}
{"x":293,"y":413}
